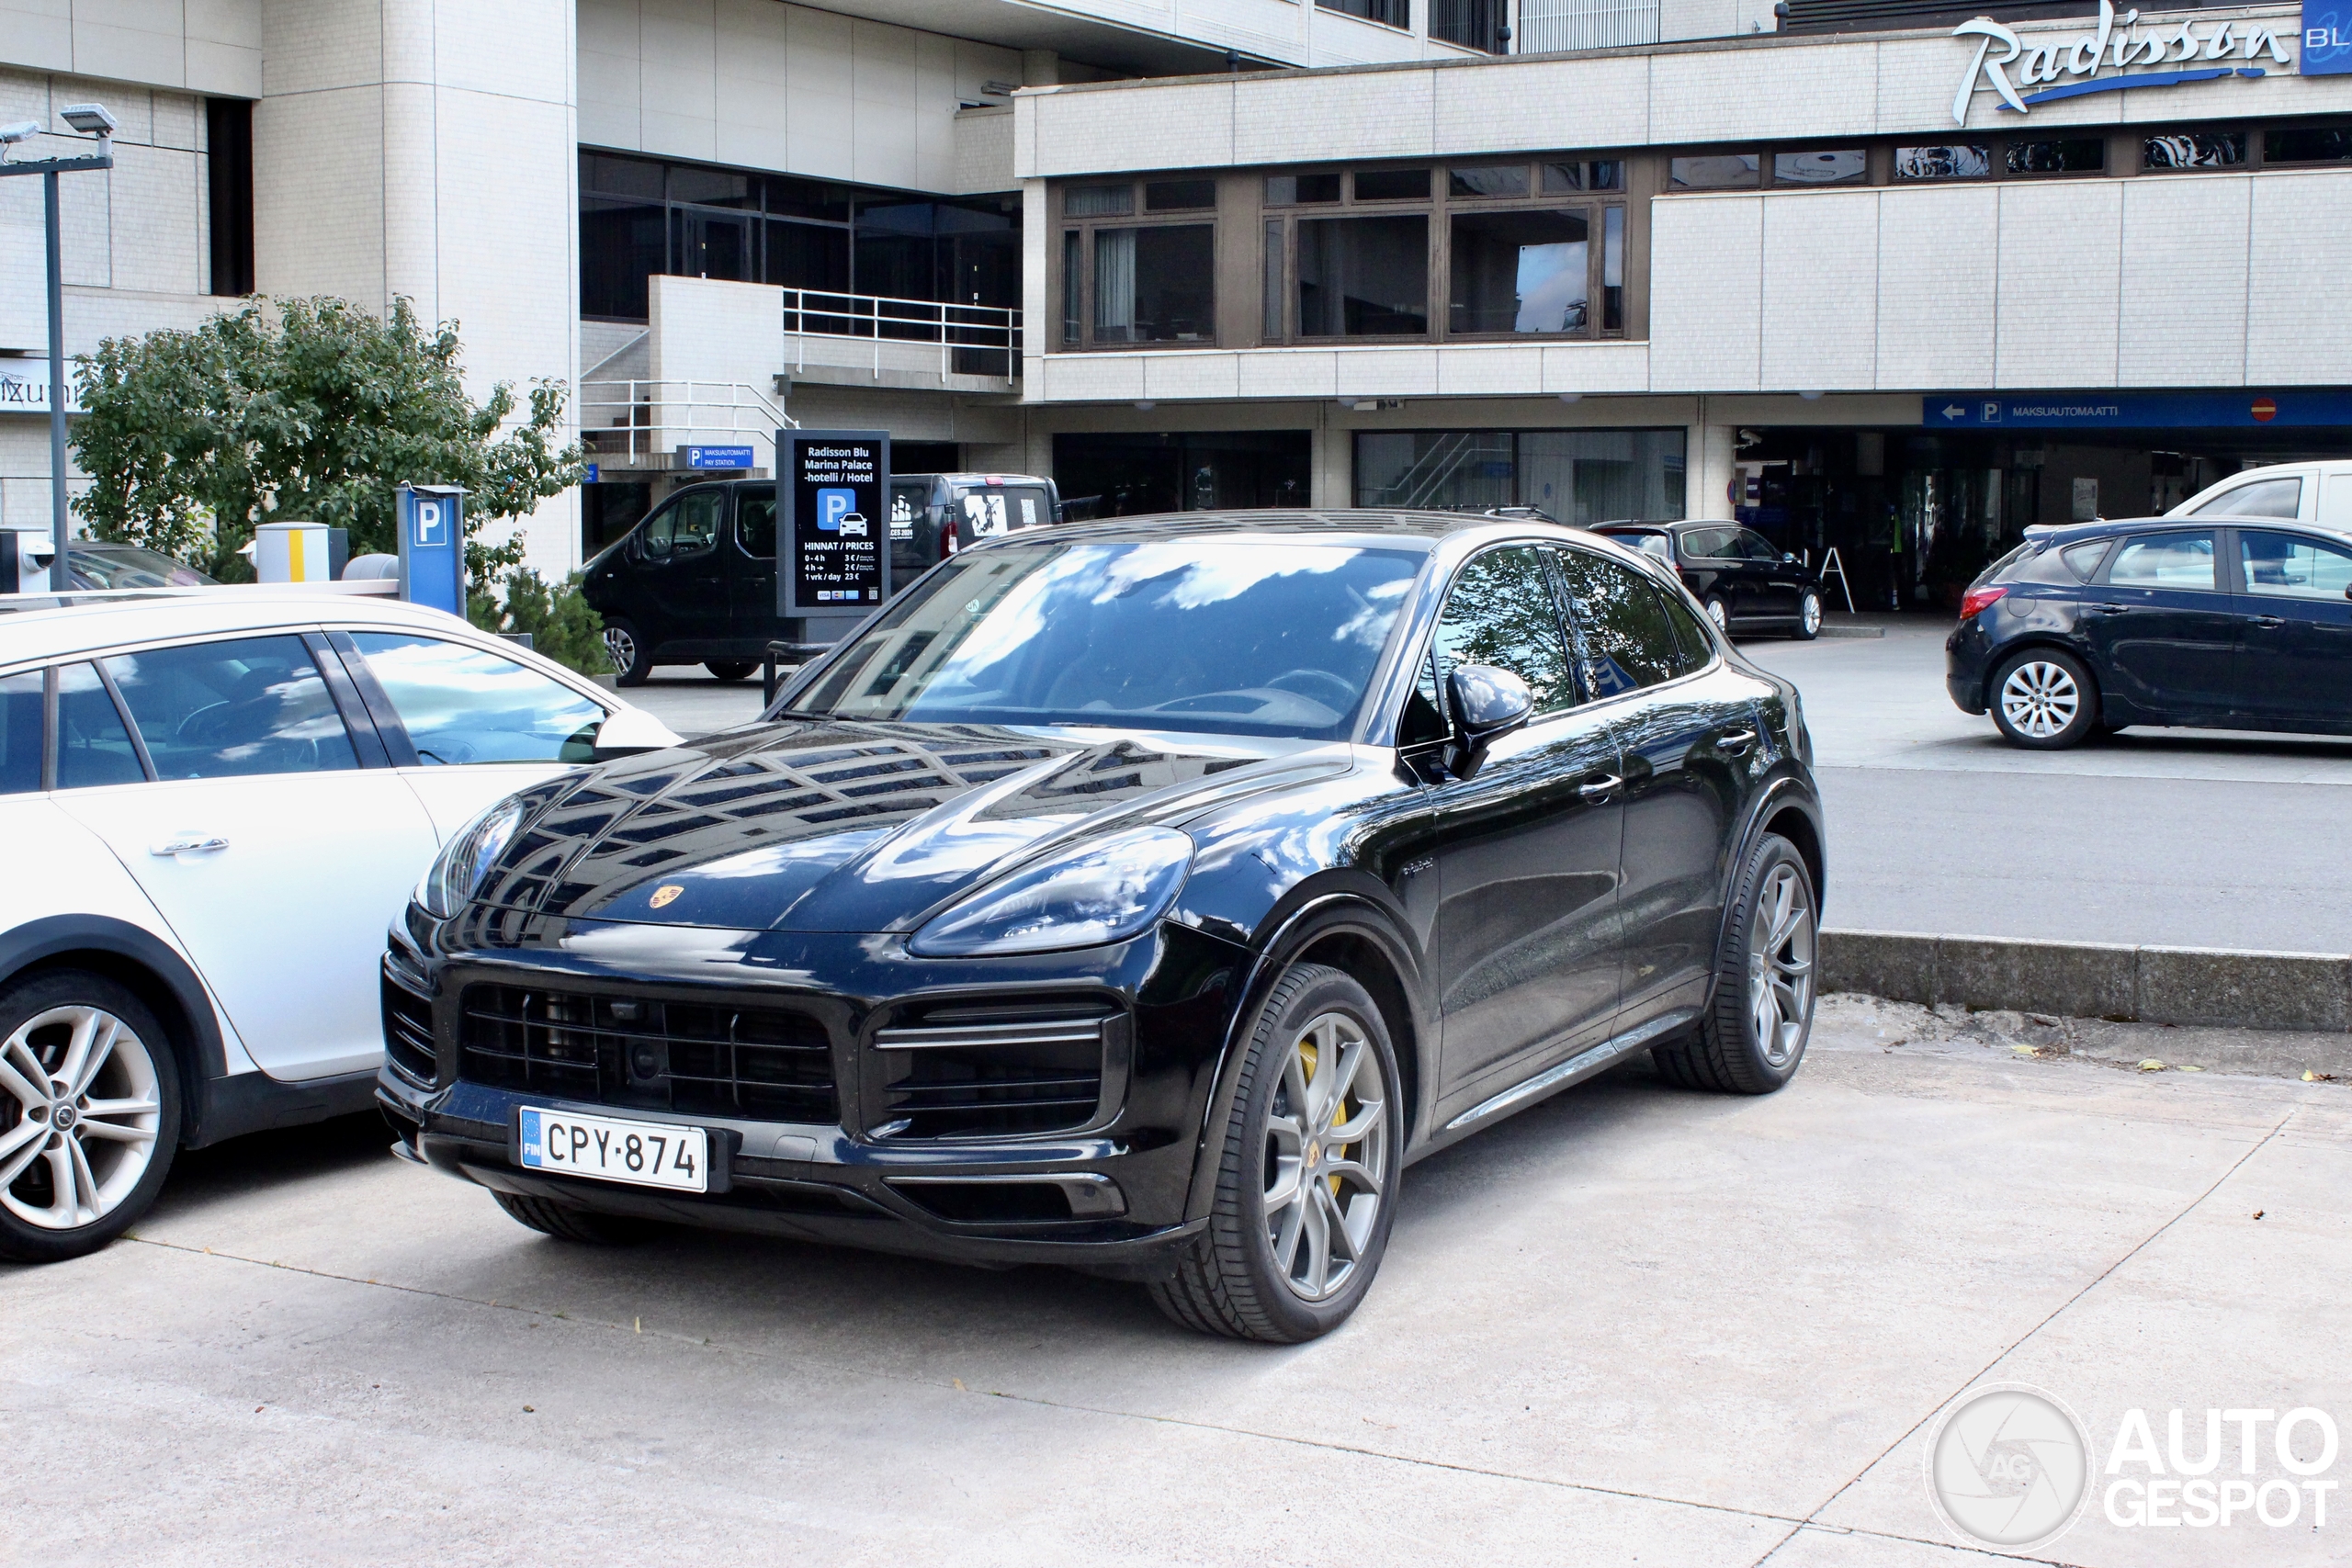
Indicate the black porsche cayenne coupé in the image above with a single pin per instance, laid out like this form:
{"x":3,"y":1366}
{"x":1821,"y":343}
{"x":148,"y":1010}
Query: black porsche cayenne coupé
{"x":1141,"y":897}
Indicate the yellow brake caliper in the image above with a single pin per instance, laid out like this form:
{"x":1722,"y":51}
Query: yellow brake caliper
{"x":1307,"y":1055}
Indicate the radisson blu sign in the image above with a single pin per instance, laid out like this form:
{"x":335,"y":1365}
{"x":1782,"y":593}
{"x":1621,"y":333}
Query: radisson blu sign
{"x":2115,"y":53}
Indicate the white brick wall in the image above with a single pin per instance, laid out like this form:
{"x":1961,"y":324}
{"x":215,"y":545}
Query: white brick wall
{"x":1706,"y":271}
{"x":1815,"y":333}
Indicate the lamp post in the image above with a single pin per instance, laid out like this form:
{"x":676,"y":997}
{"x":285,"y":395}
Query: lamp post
{"x":90,"y":119}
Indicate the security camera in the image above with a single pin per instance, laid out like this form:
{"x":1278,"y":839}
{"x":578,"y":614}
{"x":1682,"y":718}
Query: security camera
{"x":90,"y":119}
{"x":23,"y":130}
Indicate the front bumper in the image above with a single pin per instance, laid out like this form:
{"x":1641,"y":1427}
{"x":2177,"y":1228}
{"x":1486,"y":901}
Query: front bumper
{"x":1110,"y":1196}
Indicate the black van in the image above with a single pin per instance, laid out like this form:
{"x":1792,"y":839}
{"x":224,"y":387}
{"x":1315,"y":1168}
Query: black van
{"x":694,"y":582}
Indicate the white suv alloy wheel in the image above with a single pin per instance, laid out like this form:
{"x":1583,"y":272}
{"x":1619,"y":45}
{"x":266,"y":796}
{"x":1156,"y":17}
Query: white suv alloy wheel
{"x":80,"y":1109}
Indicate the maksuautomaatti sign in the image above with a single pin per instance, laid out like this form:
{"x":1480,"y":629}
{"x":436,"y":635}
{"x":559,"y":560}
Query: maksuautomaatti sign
{"x":2117,"y":53}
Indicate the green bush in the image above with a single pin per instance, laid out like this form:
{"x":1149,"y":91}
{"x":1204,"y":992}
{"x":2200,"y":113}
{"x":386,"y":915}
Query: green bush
{"x":562,"y":625}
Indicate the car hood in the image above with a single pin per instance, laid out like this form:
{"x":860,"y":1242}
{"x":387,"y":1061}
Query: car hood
{"x":825,"y":825}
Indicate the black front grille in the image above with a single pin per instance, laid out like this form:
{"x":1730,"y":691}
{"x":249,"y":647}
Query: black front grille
{"x":408,"y":1033}
{"x":701,"y":1058}
{"x":967,"y":1072}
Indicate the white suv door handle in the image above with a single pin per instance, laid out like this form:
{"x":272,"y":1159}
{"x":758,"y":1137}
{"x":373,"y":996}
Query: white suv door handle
{"x":187,"y":843}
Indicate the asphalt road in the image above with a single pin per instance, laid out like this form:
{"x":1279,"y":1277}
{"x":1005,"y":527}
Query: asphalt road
{"x":2182,"y":837}
{"x":1633,"y":1325}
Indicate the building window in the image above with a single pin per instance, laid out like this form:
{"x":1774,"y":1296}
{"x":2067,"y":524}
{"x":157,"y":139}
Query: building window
{"x":1596,"y":174}
{"x":1944,"y":162}
{"x":1520,"y":272}
{"x":1178,"y":196}
{"x":229,"y":184}
{"x":1300,"y":190}
{"x":2075,"y":155}
{"x":1125,"y":474}
{"x":1393,"y":184}
{"x":1473,"y":24}
{"x":1363,"y":276}
{"x":1579,"y":477}
{"x":1387,"y":13}
{"x":1099,"y":201}
{"x":1073,"y":295}
{"x":1612,"y":269}
{"x":1494,"y":180}
{"x":1844,"y":166}
{"x":1155,"y":285}
{"x":1715,"y":171}
{"x":2307,"y":144}
{"x":641,"y":217}
{"x":1275,"y":294}
{"x":2193,"y":150}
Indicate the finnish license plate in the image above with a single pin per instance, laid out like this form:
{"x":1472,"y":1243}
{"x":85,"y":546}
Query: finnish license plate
{"x":644,"y":1154}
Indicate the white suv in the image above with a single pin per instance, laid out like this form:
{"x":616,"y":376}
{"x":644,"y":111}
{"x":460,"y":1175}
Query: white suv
{"x":2303,"y":492}
{"x":212,"y":802}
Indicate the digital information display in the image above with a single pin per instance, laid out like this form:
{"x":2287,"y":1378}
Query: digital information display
{"x":832,"y":483}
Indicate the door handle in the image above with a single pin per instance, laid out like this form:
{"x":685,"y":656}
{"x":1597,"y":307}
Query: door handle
{"x":2267,"y":621}
{"x":1599,"y":788}
{"x":2103,"y":609}
{"x":187,"y":843}
{"x":1734,"y":744}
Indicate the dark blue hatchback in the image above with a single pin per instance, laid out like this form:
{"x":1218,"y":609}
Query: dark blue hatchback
{"x":2216,"y":623}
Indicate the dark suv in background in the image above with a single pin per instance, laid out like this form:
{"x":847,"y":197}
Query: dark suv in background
{"x":1746,"y":583}
{"x":694,"y":582}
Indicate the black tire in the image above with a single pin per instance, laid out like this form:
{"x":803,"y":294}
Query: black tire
{"x":2043,"y":699}
{"x":141,"y":1062}
{"x":1230,"y":1279}
{"x":1808,"y":614}
{"x":728,"y":669}
{"x":1728,"y":1053}
{"x":625,"y":646}
{"x":567,"y":1224}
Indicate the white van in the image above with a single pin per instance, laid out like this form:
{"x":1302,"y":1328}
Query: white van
{"x":2306,"y":492}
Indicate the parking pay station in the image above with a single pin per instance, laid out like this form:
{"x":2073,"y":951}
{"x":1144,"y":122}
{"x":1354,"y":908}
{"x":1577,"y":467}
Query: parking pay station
{"x":833,"y":485}
{"x":433,"y":546}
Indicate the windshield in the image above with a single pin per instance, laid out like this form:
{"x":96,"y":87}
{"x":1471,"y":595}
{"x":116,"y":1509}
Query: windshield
{"x":1241,"y":636}
{"x":129,"y":566}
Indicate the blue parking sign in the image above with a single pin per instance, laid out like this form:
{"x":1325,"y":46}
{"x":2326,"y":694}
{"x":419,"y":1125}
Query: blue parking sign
{"x":833,"y":503}
{"x":432,"y":546}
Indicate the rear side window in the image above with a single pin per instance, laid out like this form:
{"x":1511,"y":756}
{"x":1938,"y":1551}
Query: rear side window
{"x":93,"y":747}
{"x":460,"y":705}
{"x":1628,"y":640}
{"x":1649,"y":543}
{"x":1500,"y":612}
{"x":1707,"y":543}
{"x":2164,"y":561}
{"x":756,"y":522}
{"x":20,"y":733}
{"x":2264,"y":497}
{"x":212,"y":710}
{"x":2082,"y":559}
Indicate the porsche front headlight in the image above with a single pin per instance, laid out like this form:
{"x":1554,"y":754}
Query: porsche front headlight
{"x":457,"y":872}
{"x":1087,"y":896}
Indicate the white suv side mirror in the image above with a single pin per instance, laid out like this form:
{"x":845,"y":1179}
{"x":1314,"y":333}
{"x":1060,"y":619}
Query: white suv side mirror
{"x":631,"y":730}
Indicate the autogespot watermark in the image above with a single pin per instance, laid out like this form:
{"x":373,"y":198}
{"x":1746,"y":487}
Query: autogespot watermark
{"x":2011,"y":1465}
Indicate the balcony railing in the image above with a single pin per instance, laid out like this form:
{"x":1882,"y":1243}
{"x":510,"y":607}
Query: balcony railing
{"x":904,"y":334}
{"x":639,"y":422}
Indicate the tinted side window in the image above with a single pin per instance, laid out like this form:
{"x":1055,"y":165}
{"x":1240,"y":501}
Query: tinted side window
{"x":1707,"y":543}
{"x":2293,"y":566}
{"x":2163,"y":560}
{"x":93,"y":748}
{"x":20,"y":733}
{"x":2083,"y":559}
{"x":460,"y":705}
{"x":2264,"y":497}
{"x":1748,"y":545}
{"x":1422,"y":721}
{"x":1500,"y":612}
{"x":694,"y":526}
{"x":756,"y":522}
{"x":1694,"y":646}
{"x":212,"y":710}
{"x":1628,"y":640}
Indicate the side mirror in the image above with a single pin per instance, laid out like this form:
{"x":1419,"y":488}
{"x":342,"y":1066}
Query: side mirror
{"x":630,"y":732}
{"x":1488,"y":704}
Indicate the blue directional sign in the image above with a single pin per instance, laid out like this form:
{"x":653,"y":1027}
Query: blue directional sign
{"x":717,"y":456}
{"x":433,"y":546}
{"x":2246,"y":410}
{"x":2327,"y":38}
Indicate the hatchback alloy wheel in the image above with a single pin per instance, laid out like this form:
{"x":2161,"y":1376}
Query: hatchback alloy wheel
{"x":1326,"y":1157}
{"x":2040,"y":699}
{"x":81,"y":1109}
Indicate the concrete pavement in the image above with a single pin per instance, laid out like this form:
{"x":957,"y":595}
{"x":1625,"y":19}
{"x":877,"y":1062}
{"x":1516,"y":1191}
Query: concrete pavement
{"x":1630,"y":1324}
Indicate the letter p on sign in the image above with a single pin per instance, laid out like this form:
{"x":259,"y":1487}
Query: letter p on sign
{"x":432,"y":524}
{"x":833,"y":503}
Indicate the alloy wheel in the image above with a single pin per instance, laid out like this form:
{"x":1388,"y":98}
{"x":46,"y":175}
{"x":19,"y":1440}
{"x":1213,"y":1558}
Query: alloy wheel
{"x":1326,"y":1157}
{"x":1720,"y":614}
{"x":2040,"y":699}
{"x":80,"y":1112}
{"x":1780,"y":964}
{"x":1811,"y":610}
{"x":620,"y":647}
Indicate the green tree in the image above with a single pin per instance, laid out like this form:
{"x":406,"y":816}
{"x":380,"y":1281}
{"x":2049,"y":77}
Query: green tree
{"x":562,"y":625}
{"x":311,"y":409}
